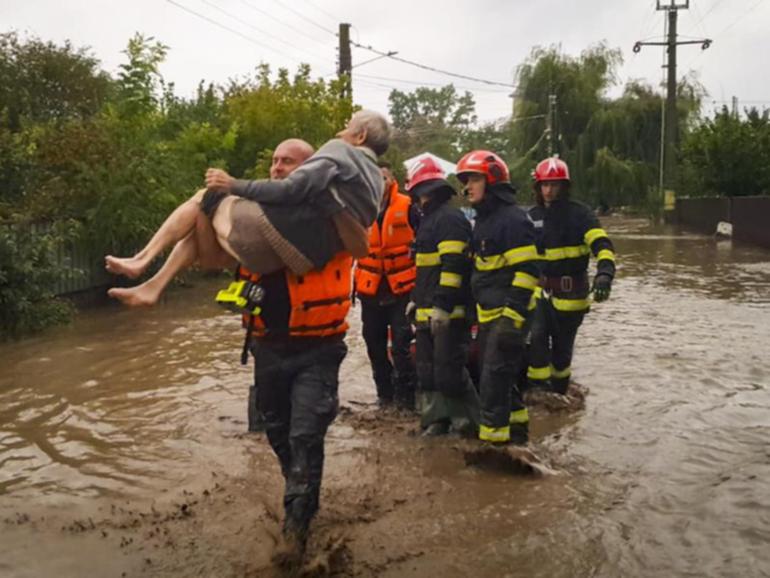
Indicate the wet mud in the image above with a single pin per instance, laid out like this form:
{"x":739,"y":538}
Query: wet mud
{"x":124,"y":451}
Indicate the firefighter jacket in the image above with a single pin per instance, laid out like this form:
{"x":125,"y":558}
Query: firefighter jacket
{"x":443,"y":264}
{"x":390,"y":242}
{"x":505,"y":267}
{"x":312,"y":305}
{"x":567,"y":232}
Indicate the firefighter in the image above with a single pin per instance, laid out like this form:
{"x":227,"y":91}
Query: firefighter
{"x":440,"y":301}
{"x":383,"y":282}
{"x":503,"y":281}
{"x":567,"y":234}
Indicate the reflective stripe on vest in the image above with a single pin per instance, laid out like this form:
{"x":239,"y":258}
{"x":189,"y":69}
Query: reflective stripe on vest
{"x":389,"y":251}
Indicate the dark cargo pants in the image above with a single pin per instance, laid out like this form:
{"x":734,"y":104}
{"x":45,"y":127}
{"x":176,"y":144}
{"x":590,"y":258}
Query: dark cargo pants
{"x":396,"y":379}
{"x":297,"y":392}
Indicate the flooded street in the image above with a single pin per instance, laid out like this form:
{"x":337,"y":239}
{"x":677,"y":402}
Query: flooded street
{"x":124,"y":452}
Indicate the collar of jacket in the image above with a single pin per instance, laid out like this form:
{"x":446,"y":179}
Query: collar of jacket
{"x":496,"y":196}
{"x":368,"y":152}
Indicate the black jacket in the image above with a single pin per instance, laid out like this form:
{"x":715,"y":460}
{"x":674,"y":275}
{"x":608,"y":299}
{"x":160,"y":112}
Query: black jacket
{"x":443,"y":264}
{"x":505,"y":266}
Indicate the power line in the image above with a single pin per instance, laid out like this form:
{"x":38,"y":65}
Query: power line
{"x":423,"y":83}
{"x":431,"y":68}
{"x":331,"y":17}
{"x":257,"y":29}
{"x":313,"y":22}
{"x":225,"y":27}
{"x":287,"y":25}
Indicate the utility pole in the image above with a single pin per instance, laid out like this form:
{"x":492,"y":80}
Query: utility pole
{"x":670,"y":118}
{"x":345,"y":69}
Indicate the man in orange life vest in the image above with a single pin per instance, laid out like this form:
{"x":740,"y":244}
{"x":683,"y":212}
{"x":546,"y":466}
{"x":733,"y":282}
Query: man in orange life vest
{"x":299,"y":324}
{"x":383,"y":282}
{"x":288,"y":155}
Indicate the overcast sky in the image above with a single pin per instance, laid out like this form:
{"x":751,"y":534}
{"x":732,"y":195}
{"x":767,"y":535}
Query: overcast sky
{"x":480,"y":38}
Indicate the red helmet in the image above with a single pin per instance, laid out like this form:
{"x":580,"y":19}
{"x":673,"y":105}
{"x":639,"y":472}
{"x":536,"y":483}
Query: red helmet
{"x":551,"y":169}
{"x":484,"y":163}
{"x":424,"y":169}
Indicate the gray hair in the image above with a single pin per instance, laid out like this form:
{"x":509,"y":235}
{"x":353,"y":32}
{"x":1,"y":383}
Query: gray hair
{"x":377,"y":130}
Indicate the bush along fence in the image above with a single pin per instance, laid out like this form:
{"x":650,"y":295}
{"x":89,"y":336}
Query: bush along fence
{"x":39,"y":263}
{"x":749,"y":216}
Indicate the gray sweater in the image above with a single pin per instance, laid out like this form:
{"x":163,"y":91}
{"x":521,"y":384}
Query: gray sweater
{"x":299,"y":208}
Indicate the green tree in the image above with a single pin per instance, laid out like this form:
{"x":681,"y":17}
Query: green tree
{"x":44,"y":82}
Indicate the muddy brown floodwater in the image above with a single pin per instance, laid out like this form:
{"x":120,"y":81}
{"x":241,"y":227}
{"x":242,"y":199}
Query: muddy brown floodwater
{"x":123,"y":449}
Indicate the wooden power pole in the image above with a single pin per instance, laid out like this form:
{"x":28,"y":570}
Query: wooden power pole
{"x":671,"y":116}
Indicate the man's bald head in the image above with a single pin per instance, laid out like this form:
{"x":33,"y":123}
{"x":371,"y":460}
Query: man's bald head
{"x":288,"y":156}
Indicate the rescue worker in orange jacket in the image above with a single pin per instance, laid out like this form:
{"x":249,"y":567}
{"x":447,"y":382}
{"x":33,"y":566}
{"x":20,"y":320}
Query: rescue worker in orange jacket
{"x":503,"y":280}
{"x":567,"y":233}
{"x":288,"y":155}
{"x":297,"y":325}
{"x":383,"y":282}
{"x":440,"y":304}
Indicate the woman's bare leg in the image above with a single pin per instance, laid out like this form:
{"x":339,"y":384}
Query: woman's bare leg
{"x":183,"y":255}
{"x":174,"y":228}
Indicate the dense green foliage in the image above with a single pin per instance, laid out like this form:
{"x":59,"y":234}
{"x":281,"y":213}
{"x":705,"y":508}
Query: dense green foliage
{"x":116,"y":154}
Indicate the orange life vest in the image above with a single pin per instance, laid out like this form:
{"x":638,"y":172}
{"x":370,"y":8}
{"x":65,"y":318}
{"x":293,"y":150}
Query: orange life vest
{"x":319,"y":300}
{"x":389,"y":247}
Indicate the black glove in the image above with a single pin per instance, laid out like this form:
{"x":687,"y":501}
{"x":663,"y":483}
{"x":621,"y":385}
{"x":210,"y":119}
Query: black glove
{"x":210,"y":202}
{"x":509,"y":337}
{"x":602,"y":287}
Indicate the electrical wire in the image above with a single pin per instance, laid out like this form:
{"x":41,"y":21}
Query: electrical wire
{"x":234,"y":31}
{"x":239,"y":19}
{"x":431,"y":68}
{"x":282,"y":23}
{"x":305,"y":18}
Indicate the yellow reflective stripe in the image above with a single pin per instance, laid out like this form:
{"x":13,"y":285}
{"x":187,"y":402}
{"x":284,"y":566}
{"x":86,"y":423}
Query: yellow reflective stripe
{"x":539,"y":372}
{"x":606,"y":254}
{"x":495,"y":434}
{"x":487,"y":315}
{"x":448,"y":279}
{"x":561,"y":373}
{"x":425,"y":313}
{"x":519,"y":416}
{"x":427,"y":259}
{"x":518,"y":320}
{"x":520,"y":254}
{"x":490,"y":262}
{"x":524,"y":280}
{"x":593,"y":234}
{"x":570,"y":304}
{"x":559,"y":253}
{"x":445,"y":247}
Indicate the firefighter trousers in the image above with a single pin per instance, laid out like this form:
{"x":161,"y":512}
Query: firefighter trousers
{"x":446,"y":389}
{"x":501,"y":402}
{"x":394,"y":380}
{"x":551,"y":346}
{"x":297,"y":392}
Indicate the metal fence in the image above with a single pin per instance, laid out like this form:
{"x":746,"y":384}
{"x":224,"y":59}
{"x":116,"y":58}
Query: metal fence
{"x":82,"y":264}
{"x":749,"y":216}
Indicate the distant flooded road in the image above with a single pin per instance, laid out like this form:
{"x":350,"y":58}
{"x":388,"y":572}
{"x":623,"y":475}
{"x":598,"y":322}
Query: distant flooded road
{"x":123,"y":449}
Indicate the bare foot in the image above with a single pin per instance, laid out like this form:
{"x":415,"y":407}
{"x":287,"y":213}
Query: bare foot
{"x":139,"y":296}
{"x":131,"y":267}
